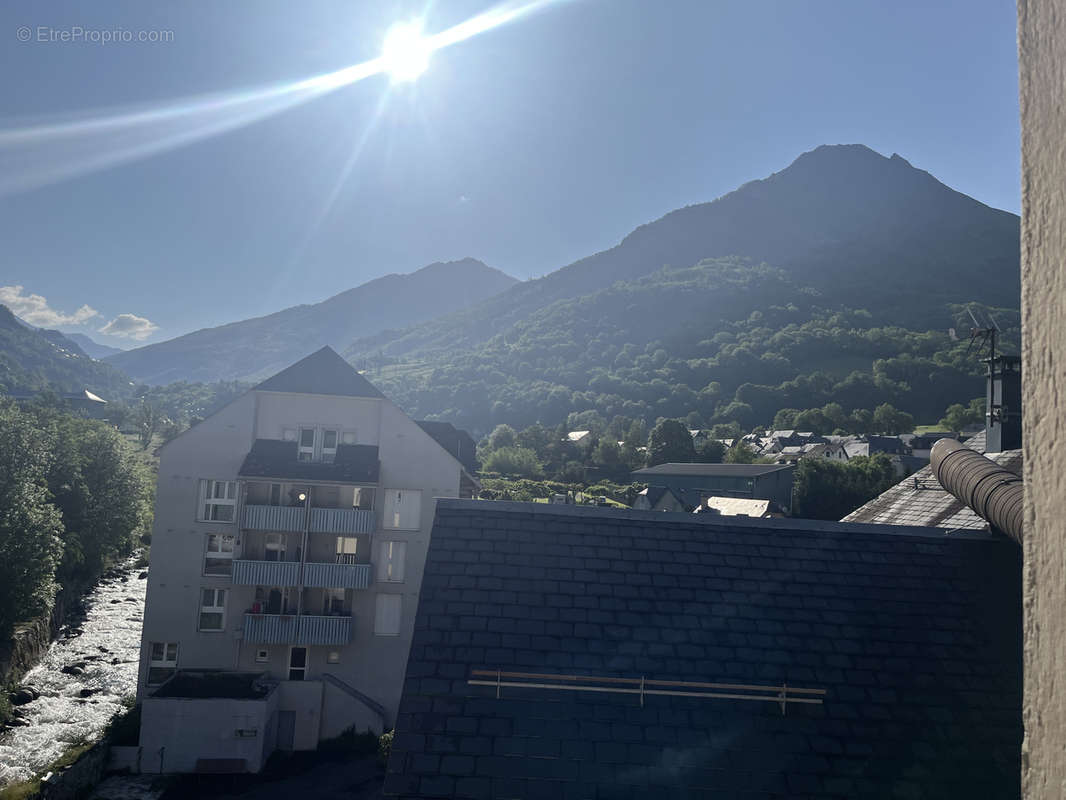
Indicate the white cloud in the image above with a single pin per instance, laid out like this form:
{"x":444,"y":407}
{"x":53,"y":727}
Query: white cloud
{"x":129,"y":326}
{"x":34,"y":309}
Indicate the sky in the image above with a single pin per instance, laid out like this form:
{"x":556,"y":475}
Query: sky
{"x":527,"y":146}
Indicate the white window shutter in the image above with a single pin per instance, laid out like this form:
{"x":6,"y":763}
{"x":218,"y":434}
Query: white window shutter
{"x":387,"y":614}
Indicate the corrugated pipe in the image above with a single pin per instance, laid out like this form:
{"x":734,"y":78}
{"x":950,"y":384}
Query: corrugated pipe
{"x":994,"y":493}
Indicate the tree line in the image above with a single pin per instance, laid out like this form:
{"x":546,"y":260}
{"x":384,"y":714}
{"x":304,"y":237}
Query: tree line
{"x":73,"y":499}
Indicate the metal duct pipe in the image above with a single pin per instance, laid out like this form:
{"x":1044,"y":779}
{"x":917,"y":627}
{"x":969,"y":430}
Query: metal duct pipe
{"x":994,"y":493}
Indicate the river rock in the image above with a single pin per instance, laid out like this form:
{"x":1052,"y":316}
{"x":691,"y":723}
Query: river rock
{"x":73,"y":669}
{"x":87,"y":692}
{"x":142,"y":576}
{"x":23,"y":695}
{"x":113,"y":602}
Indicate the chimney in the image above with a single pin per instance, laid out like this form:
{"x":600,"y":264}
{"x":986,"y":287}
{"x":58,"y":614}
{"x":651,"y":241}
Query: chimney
{"x":1003,"y":404}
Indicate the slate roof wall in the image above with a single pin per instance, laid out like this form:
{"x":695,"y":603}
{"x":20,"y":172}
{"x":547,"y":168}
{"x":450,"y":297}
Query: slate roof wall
{"x":914,"y":634}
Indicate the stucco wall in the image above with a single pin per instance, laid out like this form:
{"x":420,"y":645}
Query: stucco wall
{"x":1042,"y":63}
{"x":176,"y":732}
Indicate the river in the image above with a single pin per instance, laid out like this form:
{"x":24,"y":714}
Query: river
{"x":104,"y":645}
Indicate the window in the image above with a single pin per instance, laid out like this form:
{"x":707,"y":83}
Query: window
{"x":346,"y":547}
{"x":297,"y":663}
{"x":275,"y":494}
{"x":262,"y":655}
{"x":364,"y":499}
{"x":218,"y":556}
{"x":162,"y":661}
{"x":333,"y":602}
{"x":273,"y":600}
{"x":306,"y":446}
{"x":288,"y":434}
{"x":275,"y":547}
{"x":403,"y":509}
{"x":349,"y":437}
{"x":217,"y":500}
{"x":387,"y":614}
{"x":390,"y":561}
{"x":212,"y":609}
{"x":329,"y":445}
{"x":334,"y":657}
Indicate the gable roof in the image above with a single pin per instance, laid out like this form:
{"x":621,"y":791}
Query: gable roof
{"x":921,"y":500}
{"x":457,"y":442}
{"x":322,"y":372}
{"x":274,"y":458}
{"x":913,"y":636}
{"x":716,"y":470}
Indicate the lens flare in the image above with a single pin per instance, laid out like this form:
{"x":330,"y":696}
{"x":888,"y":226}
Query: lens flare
{"x":38,"y":155}
{"x":405,"y":53}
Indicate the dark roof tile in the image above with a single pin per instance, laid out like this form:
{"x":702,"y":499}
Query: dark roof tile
{"x":914,"y":664}
{"x":322,"y":372}
{"x":274,"y":458}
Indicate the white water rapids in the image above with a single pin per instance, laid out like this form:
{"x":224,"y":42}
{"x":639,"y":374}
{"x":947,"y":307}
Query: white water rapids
{"x":107,"y":649}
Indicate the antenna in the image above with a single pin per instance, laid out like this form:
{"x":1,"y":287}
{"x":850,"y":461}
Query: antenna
{"x":983,"y":334}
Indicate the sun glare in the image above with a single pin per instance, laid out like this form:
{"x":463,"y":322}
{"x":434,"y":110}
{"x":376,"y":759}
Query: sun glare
{"x":405,"y":53}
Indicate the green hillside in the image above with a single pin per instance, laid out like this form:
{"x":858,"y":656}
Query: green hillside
{"x":33,"y":360}
{"x":728,"y":339}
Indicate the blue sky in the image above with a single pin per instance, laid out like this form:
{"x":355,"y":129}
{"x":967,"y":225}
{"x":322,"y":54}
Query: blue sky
{"x":528,"y":146}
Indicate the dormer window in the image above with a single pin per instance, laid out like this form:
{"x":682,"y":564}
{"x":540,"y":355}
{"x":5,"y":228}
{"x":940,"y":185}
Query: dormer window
{"x":329,"y":445}
{"x":318,"y":443}
{"x":306,"y":445}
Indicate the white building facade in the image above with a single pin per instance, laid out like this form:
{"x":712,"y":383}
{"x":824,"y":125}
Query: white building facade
{"x":290,"y":536}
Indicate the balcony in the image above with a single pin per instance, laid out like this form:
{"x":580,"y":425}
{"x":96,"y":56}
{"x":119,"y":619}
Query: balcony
{"x":341,"y":520}
{"x":337,"y":576}
{"x":292,"y":629}
{"x":292,"y":518}
{"x":265,"y":573}
{"x":273,"y":518}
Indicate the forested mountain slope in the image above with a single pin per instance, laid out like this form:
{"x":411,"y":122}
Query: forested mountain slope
{"x":836,"y":279}
{"x":865,"y":230}
{"x":33,"y":359}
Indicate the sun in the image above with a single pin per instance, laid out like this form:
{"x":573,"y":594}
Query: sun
{"x":405,"y":53}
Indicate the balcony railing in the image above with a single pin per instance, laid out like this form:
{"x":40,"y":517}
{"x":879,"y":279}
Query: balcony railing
{"x":292,"y":629}
{"x":341,"y":520}
{"x":337,"y":576}
{"x":323,"y":520}
{"x":265,"y":573}
{"x":273,"y":518}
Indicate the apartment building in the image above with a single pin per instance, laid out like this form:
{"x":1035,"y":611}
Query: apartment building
{"x":290,"y":535}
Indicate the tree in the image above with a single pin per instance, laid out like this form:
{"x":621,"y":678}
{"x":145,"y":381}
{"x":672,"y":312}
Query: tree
{"x":608,"y":455}
{"x":741,"y":453}
{"x":501,"y":436}
{"x":784,"y":419}
{"x":30,"y":526}
{"x":670,"y":441}
{"x":825,"y":489}
{"x":958,"y":416}
{"x":889,"y":420}
{"x":148,"y":422}
{"x":515,"y":461}
{"x":711,"y":452}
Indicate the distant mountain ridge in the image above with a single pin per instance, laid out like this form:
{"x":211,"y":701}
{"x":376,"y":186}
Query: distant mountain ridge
{"x":91,"y":347}
{"x":260,"y":346}
{"x":833,"y":280}
{"x":34,"y":359}
{"x":842,"y":219}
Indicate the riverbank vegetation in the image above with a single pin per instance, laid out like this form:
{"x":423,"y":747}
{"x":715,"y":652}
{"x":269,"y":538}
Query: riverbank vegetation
{"x":73,"y":499}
